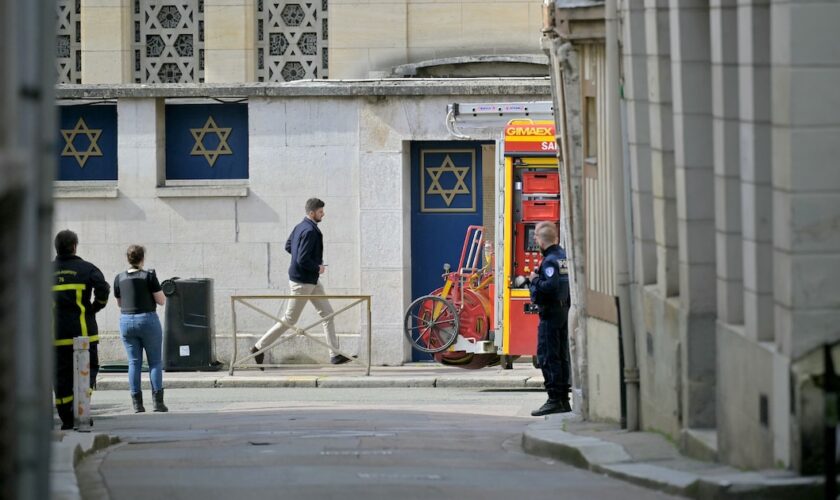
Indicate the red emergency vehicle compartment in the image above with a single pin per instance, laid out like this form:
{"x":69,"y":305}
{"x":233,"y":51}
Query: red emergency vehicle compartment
{"x":540,"y":182}
{"x":540,"y":210}
{"x":524,"y":321}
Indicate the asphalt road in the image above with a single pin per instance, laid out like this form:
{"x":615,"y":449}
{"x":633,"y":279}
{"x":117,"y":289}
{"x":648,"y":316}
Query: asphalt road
{"x":331,"y":444}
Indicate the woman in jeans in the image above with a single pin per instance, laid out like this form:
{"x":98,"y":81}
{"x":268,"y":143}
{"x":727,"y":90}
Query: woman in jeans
{"x":138,"y":293}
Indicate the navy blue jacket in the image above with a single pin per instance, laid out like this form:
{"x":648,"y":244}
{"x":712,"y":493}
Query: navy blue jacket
{"x":79,"y":292}
{"x":306,"y":244}
{"x":550,"y":289}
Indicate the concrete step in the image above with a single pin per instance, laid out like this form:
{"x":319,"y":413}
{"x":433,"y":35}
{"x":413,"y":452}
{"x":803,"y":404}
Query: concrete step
{"x":700,"y":444}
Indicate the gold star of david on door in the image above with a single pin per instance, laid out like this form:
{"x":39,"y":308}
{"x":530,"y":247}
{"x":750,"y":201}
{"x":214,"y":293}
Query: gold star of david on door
{"x":460,"y":186}
{"x":81,"y":128}
{"x":222,"y":148}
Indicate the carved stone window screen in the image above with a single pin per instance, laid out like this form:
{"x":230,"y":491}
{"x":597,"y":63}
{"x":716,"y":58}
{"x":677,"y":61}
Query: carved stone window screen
{"x":292,"y":40}
{"x":68,"y":38}
{"x":168,"y":41}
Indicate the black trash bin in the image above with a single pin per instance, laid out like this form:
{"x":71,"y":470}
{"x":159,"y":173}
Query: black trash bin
{"x":188,"y":334}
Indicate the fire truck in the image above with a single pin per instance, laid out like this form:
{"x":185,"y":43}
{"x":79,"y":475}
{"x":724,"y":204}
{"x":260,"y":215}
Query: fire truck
{"x":482,"y":314}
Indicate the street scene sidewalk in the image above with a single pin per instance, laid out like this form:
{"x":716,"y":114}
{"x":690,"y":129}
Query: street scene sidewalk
{"x":523,"y":375}
{"x":649,"y":459}
{"x":643,"y":458}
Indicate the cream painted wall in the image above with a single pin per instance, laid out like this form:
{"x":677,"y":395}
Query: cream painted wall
{"x":377,"y":35}
{"x":604,"y":370}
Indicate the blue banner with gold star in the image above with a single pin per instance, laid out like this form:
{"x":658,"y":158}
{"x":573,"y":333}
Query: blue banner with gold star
{"x":206,"y":141}
{"x":87,"y":143}
{"x":448,"y":180}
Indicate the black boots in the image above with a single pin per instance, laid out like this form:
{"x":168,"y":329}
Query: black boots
{"x":137,"y":401}
{"x":553,"y":406}
{"x":259,"y":358}
{"x":65,"y":413}
{"x":157,"y":397}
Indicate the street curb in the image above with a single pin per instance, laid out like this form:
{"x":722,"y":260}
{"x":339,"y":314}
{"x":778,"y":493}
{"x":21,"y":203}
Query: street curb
{"x":332,"y":382}
{"x":545,"y":438}
{"x":375,"y":382}
{"x":481,"y":382}
{"x":68,"y":449}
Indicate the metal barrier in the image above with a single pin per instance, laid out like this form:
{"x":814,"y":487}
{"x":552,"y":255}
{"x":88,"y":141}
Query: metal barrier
{"x":293,"y":331}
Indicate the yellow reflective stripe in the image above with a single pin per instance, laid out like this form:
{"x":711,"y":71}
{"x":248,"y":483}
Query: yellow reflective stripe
{"x":81,"y":310}
{"x":79,"y":288}
{"x":62,"y":401}
{"x":94,"y":338}
{"x":64,"y":342}
{"x":71,"y":286}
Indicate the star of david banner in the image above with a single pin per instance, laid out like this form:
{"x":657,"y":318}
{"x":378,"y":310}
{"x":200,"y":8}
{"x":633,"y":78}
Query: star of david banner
{"x":447,"y":181}
{"x":206,"y":141}
{"x":87,"y":143}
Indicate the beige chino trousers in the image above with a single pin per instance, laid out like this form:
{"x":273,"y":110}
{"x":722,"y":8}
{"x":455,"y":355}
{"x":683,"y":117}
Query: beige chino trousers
{"x":293,"y":310}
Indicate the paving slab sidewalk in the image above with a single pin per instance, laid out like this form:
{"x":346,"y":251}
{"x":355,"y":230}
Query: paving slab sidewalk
{"x":649,"y":459}
{"x":523,"y":375}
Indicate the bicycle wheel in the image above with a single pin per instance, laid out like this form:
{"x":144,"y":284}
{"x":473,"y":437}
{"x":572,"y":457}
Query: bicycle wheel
{"x":431,"y":324}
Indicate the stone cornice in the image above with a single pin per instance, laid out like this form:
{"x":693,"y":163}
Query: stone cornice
{"x":316,"y":88}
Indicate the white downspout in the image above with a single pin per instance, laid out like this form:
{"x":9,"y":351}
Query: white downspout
{"x":620,"y":254}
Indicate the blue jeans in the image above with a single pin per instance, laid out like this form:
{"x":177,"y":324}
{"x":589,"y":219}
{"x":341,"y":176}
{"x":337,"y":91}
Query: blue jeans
{"x":141,"y":332}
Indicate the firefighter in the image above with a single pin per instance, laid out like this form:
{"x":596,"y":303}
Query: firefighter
{"x":549,"y":288}
{"x":76,"y":280}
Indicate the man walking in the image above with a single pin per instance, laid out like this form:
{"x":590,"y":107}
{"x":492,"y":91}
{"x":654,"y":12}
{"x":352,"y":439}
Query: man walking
{"x":74,"y":315}
{"x":306,"y":244}
{"x":550,"y":292}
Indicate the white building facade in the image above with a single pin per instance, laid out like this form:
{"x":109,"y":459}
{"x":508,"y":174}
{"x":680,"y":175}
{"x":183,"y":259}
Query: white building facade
{"x":729,"y":147}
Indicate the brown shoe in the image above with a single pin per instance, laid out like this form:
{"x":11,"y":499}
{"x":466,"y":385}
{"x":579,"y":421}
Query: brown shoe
{"x":259,"y":358}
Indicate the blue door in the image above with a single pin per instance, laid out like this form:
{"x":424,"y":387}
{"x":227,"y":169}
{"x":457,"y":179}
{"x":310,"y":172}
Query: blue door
{"x":445,"y":199}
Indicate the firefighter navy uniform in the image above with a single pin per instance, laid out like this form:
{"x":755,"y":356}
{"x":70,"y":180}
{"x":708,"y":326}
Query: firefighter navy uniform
{"x":550,"y":292}
{"x":79,"y":292}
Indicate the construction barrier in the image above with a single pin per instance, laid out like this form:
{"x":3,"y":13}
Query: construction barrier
{"x":293,"y":331}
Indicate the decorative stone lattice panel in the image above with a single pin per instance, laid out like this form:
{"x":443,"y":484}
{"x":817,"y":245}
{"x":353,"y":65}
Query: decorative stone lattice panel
{"x":168,"y":41}
{"x":68,"y":38}
{"x":291,"y":40}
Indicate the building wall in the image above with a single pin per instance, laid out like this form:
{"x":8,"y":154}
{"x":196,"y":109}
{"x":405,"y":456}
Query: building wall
{"x":365,"y":38}
{"x":604,"y":371}
{"x":351,"y":152}
{"x":738,"y":94}
{"x":370,"y":36}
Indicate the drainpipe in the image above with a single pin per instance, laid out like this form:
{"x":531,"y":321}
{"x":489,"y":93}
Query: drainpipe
{"x":620,"y":255}
{"x":560,"y":64}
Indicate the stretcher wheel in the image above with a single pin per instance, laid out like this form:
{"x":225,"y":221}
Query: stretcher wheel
{"x":431,"y":324}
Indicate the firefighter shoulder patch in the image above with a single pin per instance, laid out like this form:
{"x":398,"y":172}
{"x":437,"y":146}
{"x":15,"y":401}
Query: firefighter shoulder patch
{"x":549,"y":271}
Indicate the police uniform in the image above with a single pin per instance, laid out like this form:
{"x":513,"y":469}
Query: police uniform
{"x":79,"y":292}
{"x":550,"y":292}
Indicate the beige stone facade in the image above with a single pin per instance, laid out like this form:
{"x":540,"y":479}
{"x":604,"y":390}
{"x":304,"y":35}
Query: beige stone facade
{"x":731,"y":137}
{"x":365,"y":38}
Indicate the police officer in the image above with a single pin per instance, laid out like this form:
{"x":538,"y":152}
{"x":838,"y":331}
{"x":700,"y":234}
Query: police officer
{"x":76,"y":280}
{"x":550,"y":292}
